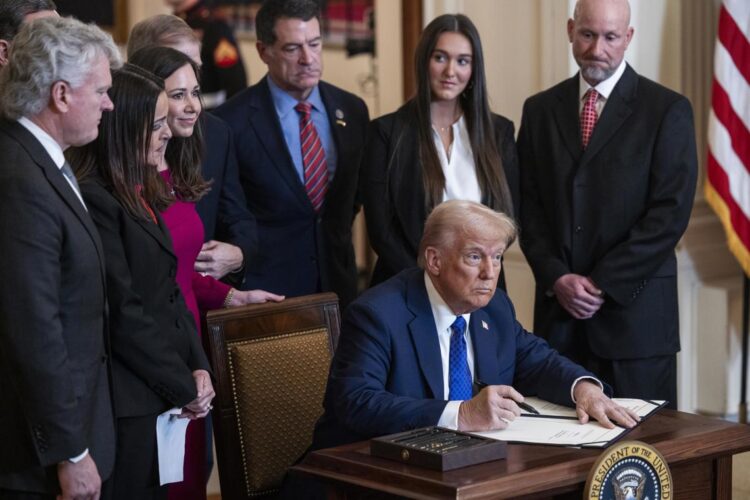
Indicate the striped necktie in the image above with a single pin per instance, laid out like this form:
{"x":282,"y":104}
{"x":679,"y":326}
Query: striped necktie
{"x":313,"y":157}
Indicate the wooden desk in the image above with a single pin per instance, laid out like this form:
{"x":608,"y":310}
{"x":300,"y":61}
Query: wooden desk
{"x":698,"y":449}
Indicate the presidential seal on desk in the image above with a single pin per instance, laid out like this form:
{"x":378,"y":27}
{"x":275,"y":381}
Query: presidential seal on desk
{"x":630,"y":470}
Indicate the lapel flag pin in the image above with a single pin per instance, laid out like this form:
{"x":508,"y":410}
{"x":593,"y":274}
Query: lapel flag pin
{"x":485,"y":325}
{"x":340,"y":118}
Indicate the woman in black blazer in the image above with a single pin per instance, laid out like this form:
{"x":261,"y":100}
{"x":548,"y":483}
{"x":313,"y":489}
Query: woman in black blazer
{"x":157,"y":360}
{"x":442,"y":144}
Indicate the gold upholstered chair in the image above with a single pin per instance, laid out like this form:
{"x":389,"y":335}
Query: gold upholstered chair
{"x":271,"y":366}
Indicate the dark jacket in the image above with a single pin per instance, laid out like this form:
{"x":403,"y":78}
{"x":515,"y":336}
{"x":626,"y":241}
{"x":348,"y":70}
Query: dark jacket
{"x":53,"y":347}
{"x":300,"y":252}
{"x":223,"y":210}
{"x":614,"y":211}
{"x":155,"y":347}
{"x":387,"y":376}
{"x":392,"y":187}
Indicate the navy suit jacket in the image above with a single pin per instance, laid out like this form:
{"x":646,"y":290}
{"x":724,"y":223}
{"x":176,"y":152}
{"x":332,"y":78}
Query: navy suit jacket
{"x":387,"y":376}
{"x":223,"y":210}
{"x":300,"y":252}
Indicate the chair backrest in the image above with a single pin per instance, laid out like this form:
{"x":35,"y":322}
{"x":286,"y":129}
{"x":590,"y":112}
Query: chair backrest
{"x":271,"y":364}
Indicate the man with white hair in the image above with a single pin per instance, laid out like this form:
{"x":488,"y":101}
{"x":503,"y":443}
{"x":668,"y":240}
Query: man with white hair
{"x":56,"y":424}
{"x":609,"y":169}
{"x":441,"y":345}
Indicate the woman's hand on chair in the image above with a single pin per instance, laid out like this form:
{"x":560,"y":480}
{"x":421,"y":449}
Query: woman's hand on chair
{"x":241,"y":298}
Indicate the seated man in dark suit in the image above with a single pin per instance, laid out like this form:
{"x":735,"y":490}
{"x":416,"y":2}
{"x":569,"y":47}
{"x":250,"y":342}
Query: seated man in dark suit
{"x":405,"y":358}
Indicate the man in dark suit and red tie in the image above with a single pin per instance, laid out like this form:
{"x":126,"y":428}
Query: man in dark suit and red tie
{"x":56,"y":424}
{"x":298,"y":142}
{"x":609,"y":168}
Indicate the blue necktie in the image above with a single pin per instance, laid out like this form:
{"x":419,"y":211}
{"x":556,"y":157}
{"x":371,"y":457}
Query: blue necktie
{"x":459,"y":377}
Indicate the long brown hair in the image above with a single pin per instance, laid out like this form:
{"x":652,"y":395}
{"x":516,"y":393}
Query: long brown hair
{"x":119,"y":154}
{"x":184,"y":154}
{"x":476,"y":109}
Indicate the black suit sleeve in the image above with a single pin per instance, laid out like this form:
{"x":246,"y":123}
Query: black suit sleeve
{"x":535,"y":232}
{"x":136,"y":337}
{"x":509,"y":156}
{"x":652,"y":239}
{"x":32,"y":347}
{"x":379,"y":161}
{"x":235,"y":224}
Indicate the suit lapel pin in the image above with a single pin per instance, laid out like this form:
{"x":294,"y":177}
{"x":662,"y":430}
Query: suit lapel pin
{"x":485,"y":325}
{"x":340,"y":118}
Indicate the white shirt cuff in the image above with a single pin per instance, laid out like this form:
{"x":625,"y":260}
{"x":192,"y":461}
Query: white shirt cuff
{"x":585,"y":377}
{"x":80,"y":457}
{"x":449,"y":417}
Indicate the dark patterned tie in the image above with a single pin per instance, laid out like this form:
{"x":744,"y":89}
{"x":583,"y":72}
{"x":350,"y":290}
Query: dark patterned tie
{"x":588,"y":116}
{"x":459,"y":374}
{"x":313,"y":157}
{"x":68,"y":173}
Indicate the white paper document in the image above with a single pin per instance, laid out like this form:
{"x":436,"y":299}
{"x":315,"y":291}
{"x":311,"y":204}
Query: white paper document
{"x":558,"y":425}
{"x":642,"y":407}
{"x":170,"y":443}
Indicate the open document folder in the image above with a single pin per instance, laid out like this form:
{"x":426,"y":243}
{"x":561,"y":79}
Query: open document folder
{"x":558,"y":425}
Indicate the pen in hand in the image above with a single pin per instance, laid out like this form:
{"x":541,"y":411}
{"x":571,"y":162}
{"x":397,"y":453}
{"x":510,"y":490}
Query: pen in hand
{"x":527,"y":407}
{"x":524,"y":406}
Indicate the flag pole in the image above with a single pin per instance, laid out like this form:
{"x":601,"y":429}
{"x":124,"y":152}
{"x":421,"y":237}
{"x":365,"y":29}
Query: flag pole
{"x":743,"y":374}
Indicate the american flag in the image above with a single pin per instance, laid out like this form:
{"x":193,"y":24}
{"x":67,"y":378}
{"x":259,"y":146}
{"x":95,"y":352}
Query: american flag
{"x":728,"y":167}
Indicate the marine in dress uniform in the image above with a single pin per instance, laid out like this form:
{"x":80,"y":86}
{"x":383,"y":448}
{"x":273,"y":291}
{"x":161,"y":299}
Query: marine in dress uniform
{"x":223,"y":73}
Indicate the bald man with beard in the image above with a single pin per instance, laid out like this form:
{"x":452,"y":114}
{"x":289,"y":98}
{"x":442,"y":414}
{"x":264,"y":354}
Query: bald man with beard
{"x":609,"y":168}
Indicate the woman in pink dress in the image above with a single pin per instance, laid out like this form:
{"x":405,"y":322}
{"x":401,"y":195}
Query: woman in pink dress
{"x":180,"y":169}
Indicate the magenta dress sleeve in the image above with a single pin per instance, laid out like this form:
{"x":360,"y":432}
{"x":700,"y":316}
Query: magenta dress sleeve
{"x":209,"y":292}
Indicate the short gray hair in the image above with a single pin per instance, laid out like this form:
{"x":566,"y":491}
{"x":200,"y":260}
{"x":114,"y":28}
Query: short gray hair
{"x":160,"y":30}
{"x":46,"y":51}
{"x":456,"y":218}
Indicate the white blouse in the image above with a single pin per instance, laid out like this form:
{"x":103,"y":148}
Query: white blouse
{"x":460,"y":172}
